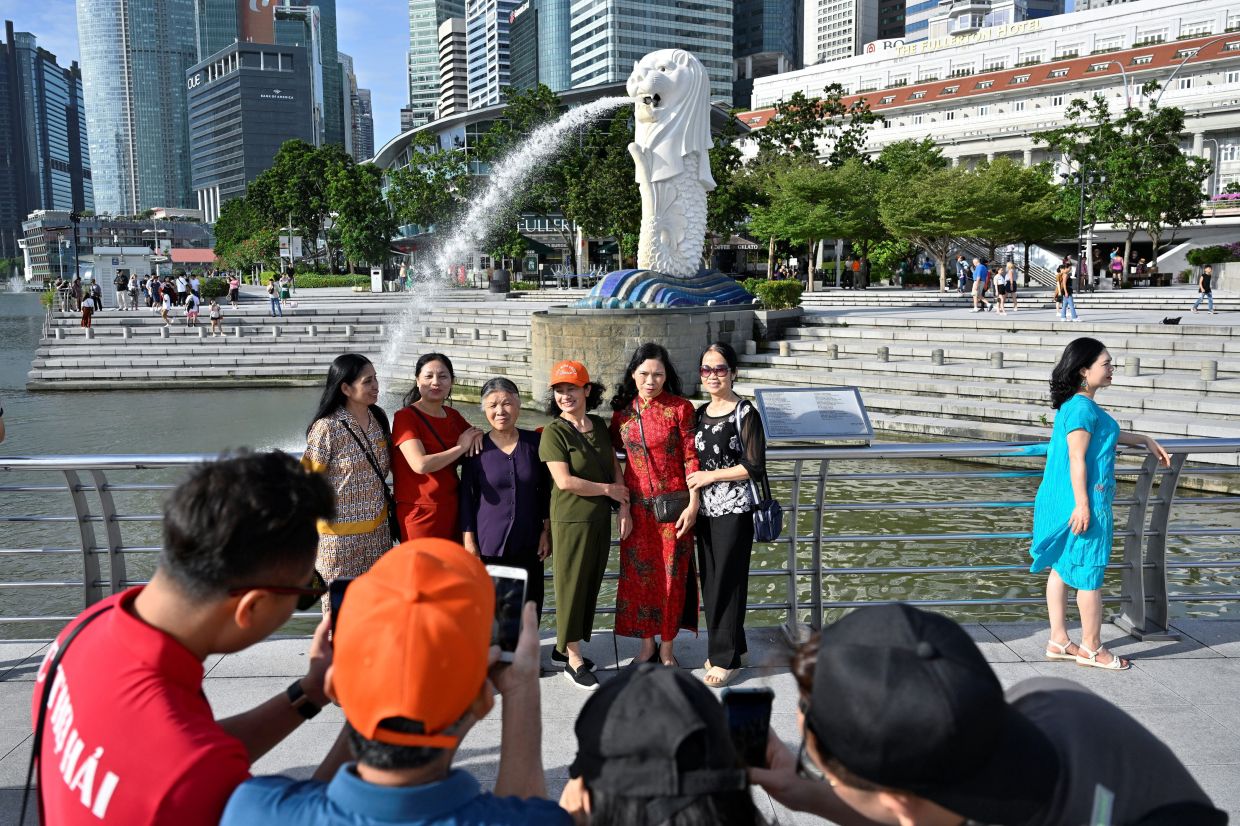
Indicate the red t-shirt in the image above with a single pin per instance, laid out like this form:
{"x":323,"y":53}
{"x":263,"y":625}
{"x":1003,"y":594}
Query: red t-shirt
{"x":129,"y":736}
{"x":425,"y":488}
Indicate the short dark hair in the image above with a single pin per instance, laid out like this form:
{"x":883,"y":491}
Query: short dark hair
{"x":594,"y":397}
{"x":387,"y":756}
{"x":244,"y":519}
{"x":726,"y":350}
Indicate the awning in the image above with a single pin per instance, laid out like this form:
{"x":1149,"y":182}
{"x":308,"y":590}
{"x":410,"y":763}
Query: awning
{"x":190,"y":255}
{"x":538,"y":247}
{"x":737,"y":242}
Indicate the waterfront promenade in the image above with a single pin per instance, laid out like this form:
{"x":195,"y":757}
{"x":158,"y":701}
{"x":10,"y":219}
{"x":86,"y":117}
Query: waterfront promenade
{"x":1187,"y":692}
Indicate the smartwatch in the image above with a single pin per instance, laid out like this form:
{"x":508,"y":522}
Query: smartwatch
{"x":300,"y":702}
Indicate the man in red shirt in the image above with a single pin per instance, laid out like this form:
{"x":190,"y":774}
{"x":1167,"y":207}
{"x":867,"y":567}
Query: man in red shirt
{"x":128,"y":736}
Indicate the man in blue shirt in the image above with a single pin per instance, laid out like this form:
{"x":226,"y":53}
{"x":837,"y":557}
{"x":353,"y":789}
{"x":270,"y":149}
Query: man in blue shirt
{"x":413,"y":670}
{"x":981,"y":280}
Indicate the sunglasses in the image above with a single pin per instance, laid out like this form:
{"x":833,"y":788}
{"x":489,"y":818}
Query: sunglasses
{"x":306,"y":595}
{"x":722,"y":371}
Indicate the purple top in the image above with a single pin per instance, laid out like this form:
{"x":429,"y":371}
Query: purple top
{"x":505,"y":498}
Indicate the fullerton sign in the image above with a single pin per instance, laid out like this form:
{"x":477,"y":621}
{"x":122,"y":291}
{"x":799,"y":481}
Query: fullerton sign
{"x":980,"y":36}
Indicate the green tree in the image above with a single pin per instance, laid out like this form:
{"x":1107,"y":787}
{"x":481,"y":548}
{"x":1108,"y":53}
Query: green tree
{"x":728,"y":204}
{"x":817,"y":127}
{"x":599,"y":187}
{"x":238,"y":221}
{"x":429,"y":191}
{"x":363,"y":218}
{"x":294,"y":190}
{"x":931,"y":209}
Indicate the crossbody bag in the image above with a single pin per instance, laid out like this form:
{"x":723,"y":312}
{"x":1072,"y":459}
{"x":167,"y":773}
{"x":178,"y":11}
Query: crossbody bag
{"x":768,"y":515}
{"x":667,"y":507}
{"x":392,"y":520}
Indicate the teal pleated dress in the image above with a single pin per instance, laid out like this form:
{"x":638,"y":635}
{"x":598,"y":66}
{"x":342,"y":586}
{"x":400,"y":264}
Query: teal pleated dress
{"x":1080,"y":560}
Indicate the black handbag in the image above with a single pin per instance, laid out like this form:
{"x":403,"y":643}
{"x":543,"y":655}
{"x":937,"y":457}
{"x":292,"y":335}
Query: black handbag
{"x":667,"y":507}
{"x":768,"y":515}
{"x":392,"y":520}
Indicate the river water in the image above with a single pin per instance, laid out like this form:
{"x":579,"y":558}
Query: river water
{"x":210,"y":421}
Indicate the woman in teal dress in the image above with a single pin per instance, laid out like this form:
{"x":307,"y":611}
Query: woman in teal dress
{"x":1072,"y":520}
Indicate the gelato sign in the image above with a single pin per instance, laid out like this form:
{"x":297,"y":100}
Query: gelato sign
{"x":979,"y":36}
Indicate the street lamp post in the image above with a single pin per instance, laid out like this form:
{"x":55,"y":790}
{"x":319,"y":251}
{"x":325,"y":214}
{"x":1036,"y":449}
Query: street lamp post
{"x":157,"y":256}
{"x":1193,"y":53}
{"x":1124,"y":74}
{"x":1211,"y":189}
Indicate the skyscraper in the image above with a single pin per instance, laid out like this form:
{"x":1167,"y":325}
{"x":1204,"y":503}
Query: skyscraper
{"x":348,"y":98}
{"x":539,"y":48}
{"x":764,"y":42}
{"x":836,"y":29}
{"x":425,"y":18}
{"x":523,"y":46}
{"x":609,"y":36}
{"x":134,"y":57}
{"x":363,"y":126}
{"x":453,"y":71}
{"x":486,"y":35}
{"x":890,"y":19}
{"x":215,"y":25}
{"x":44,"y":160}
{"x":296,"y":26}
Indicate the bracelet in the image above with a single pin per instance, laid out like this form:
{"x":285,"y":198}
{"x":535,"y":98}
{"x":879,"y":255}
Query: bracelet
{"x":300,"y":702}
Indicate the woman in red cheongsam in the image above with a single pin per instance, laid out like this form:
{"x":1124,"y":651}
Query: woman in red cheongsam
{"x":658,"y":588}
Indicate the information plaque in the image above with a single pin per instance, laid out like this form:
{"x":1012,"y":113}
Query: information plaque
{"x":813,"y":413}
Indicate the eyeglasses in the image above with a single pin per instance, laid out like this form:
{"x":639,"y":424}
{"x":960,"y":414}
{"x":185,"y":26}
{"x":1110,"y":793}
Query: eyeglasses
{"x":719,"y":372}
{"x":306,"y":596}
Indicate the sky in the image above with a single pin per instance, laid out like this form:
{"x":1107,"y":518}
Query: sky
{"x":374,"y":32}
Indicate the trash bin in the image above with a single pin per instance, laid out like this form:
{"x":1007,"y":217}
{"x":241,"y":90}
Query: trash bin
{"x":501,"y":281}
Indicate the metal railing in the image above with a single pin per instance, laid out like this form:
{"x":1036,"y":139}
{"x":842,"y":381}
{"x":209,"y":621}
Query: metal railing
{"x":807,"y":477}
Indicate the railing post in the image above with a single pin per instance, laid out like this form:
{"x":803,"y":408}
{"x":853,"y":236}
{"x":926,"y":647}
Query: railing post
{"x":792,"y":627}
{"x":91,"y":590}
{"x":1157,"y":614}
{"x":815,"y":587}
{"x":1132,"y":589}
{"x":1143,"y":613}
{"x":112,"y":529}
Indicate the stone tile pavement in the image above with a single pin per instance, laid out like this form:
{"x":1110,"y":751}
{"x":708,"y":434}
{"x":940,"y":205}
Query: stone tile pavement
{"x":1185,"y":691}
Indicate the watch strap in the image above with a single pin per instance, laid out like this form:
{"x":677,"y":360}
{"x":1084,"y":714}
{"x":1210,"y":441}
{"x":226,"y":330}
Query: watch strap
{"x":300,"y":702}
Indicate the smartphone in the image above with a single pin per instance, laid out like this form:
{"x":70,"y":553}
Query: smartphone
{"x":749,"y":722}
{"x":335,"y":598}
{"x":509,"y":602}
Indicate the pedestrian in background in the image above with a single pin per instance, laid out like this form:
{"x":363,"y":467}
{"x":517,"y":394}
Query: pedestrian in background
{"x":1011,"y":285}
{"x":273,"y":295}
{"x":1204,"y":282}
{"x":88,"y":309}
{"x":234,"y":289}
{"x":1063,"y":280}
{"x":217,"y":318}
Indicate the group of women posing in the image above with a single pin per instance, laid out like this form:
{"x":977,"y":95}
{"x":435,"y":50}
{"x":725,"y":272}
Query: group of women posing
{"x":522,"y":496}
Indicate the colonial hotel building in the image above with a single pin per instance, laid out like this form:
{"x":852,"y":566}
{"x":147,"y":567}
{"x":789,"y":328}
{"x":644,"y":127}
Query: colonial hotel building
{"x":982,"y":91}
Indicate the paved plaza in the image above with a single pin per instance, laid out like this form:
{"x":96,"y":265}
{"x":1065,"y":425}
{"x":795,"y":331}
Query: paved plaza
{"x":1187,"y":692}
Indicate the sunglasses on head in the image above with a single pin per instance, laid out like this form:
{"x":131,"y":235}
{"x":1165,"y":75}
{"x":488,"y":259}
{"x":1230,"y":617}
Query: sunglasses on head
{"x":307,"y":595}
{"x":721,"y":371}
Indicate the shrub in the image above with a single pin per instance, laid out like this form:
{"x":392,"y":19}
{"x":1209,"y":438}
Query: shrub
{"x":751,"y":285}
{"x":309,"y":281}
{"x":213,"y":287}
{"x":780,"y":295}
{"x":525,"y":285}
{"x":1213,"y":255}
{"x":48,"y":297}
{"x":1185,"y":276}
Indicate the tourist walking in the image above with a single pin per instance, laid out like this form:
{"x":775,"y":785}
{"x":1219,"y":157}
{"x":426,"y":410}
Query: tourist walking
{"x":165,"y":305}
{"x":431,"y":439}
{"x":962,"y":275}
{"x":1011,"y":285}
{"x":653,"y":425}
{"x":506,"y":493}
{"x":191,"y":310}
{"x":981,"y":277}
{"x":348,"y":442}
{"x":182,"y":288}
{"x":273,"y":294}
{"x":1072,"y":518}
{"x":1000,"y":281}
{"x":217,"y":318}
{"x":1063,"y":281}
{"x":132,"y":288}
{"x":234,"y":289}
{"x":88,"y":309}
{"x":96,"y":292}
{"x":587,"y":485}
{"x":731,"y":451}
{"x":1204,"y":282}
{"x":121,"y":283}
{"x":75,"y":290}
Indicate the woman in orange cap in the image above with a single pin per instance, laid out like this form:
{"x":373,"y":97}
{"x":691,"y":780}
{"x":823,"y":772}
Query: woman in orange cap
{"x":578,"y":450}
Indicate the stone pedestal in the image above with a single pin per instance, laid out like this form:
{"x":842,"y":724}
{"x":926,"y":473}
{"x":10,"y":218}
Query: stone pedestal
{"x":603,"y":340}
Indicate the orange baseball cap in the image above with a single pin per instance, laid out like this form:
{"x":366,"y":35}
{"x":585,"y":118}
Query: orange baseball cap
{"x":569,"y":372}
{"x":412,"y":641}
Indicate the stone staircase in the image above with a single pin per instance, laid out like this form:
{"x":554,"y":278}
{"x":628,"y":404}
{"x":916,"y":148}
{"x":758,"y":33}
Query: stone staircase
{"x":992,"y":382}
{"x":1174,"y":301}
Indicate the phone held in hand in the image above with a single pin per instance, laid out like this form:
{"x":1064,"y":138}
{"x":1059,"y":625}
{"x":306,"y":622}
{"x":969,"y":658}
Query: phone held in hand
{"x":509,"y":600}
{"x":335,"y":598}
{"x":749,"y":722}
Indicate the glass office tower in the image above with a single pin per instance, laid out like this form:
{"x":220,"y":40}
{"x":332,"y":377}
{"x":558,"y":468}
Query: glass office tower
{"x":425,"y":18}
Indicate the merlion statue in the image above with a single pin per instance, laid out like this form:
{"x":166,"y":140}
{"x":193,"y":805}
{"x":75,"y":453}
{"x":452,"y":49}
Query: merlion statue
{"x":671,"y":94}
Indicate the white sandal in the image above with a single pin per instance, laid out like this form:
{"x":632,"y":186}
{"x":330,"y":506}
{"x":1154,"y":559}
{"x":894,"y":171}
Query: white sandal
{"x":1061,"y":652}
{"x":1117,"y":662}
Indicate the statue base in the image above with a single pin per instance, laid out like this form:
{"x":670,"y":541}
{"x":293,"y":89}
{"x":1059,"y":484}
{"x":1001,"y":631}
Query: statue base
{"x":646,"y":289}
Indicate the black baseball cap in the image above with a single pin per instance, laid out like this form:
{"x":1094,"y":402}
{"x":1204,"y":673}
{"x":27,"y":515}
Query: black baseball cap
{"x":654,"y":731}
{"x":904,"y":699}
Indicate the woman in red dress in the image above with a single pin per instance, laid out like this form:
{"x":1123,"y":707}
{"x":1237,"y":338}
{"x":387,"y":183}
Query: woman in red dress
{"x":430,"y":439}
{"x":654,"y":426}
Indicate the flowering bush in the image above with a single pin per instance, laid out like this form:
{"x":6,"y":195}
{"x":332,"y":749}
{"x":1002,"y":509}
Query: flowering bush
{"x":1226,"y":196}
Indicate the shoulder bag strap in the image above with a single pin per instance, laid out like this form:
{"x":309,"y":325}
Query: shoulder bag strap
{"x":370,"y":457}
{"x":429,"y":426}
{"x":36,"y":743}
{"x":641,"y":430}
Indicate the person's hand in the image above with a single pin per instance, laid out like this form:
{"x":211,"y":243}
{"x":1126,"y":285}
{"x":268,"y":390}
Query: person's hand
{"x":618,"y":492}
{"x":1078,"y":522}
{"x":781,"y":780}
{"x":523,"y":672}
{"x":626,"y":522}
{"x":320,"y":656}
{"x":1164,"y":458}
{"x":688,"y":517}
{"x":573,"y":801}
{"x":471,"y":441}
{"x":544,"y":545}
{"x":699,"y":479}
{"x":471,"y":544}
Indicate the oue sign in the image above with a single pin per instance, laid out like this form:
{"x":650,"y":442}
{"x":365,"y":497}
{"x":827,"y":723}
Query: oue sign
{"x":194,"y":81}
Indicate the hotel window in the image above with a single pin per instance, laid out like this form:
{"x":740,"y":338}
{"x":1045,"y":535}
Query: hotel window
{"x":985,"y":84}
{"x":1233,"y":21}
{"x":1233,"y":46}
{"x":1100,"y":67}
{"x":1233,"y":77}
{"x":950,"y":90}
{"x":949,"y":115}
{"x":917,"y":119}
{"x":1197,"y":29}
{"x":1057,"y":100}
{"x":1186,"y":83}
{"x":1183,"y":53}
{"x":1018,"y":106}
{"x":1018,"y":79}
{"x":1059,"y":73}
{"x":1143,"y":60}
{"x":886,"y":99}
{"x":1103,"y":44}
{"x":982,"y":111}
{"x":995,"y":66}
{"x":917,"y":96}
{"x":1068,"y":51}
{"x":1152,"y":36}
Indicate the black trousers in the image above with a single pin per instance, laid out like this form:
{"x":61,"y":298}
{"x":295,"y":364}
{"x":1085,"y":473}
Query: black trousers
{"x":725,"y":545}
{"x":535,"y":586}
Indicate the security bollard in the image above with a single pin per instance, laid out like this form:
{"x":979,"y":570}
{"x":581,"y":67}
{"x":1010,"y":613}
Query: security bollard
{"x":503,"y":335}
{"x":996,"y":360}
{"x":476,"y":334}
{"x":90,"y":332}
{"x":275,"y":332}
{"x":310,"y":330}
{"x":125,"y":332}
{"x":785,"y":348}
{"x":884,"y":354}
{"x":1209,"y":370}
{"x":348,"y":330}
{"x":1132,"y":366}
{"x":936,"y":357}
{"x":163,"y":332}
{"x":751,"y":348}
{"x":60,"y":334}
{"x":237,"y":331}
{"x":202,"y":332}
{"x":426,"y":333}
{"x":833,"y":351}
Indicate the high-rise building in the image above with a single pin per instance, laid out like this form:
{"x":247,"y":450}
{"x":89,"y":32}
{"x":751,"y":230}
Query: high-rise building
{"x":44,"y":159}
{"x":216,"y":25}
{"x":917,"y":14}
{"x":134,"y":57}
{"x":363,"y":126}
{"x":764,"y":42}
{"x":486,"y":35}
{"x":301,"y":26}
{"x":836,"y":29}
{"x":523,"y":46}
{"x":890,"y":19}
{"x":244,"y":102}
{"x":453,"y":70}
{"x":314,"y":27}
{"x":425,"y":18}
{"x":609,"y":36}
{"x":348,"y":99}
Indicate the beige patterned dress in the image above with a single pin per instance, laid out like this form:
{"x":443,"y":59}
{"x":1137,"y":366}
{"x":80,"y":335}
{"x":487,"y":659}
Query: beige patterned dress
{"x":359,"y":535}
